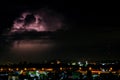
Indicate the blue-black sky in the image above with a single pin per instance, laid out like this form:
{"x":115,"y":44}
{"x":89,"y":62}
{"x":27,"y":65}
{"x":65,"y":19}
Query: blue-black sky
{"x":92,"y":30}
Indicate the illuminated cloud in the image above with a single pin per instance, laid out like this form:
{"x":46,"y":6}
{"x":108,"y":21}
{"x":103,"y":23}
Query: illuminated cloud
{"x":28,"y":46}
{"x":37,"y":21}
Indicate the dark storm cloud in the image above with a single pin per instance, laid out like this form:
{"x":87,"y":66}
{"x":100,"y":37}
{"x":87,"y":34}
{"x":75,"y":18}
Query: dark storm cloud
{"x":29,"y":19}
{"x":38,"y":20}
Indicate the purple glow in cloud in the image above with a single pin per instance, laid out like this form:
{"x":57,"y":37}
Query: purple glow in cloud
{"x":37,"y":21}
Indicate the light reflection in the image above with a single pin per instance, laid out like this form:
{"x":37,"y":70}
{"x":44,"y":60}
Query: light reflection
{"x":32,"y":45}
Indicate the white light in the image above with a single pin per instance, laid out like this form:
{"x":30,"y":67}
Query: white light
{"x":73,"y":63}
{"x":79,"y":63}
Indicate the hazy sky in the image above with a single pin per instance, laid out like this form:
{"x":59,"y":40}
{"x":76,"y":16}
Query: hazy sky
{"x":90,"y":31}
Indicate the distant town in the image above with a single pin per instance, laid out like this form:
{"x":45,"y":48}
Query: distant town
{"x":61,"y":70}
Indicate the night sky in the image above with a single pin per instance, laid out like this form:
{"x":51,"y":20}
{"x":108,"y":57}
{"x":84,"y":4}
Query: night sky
{"x":88,"y":31}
